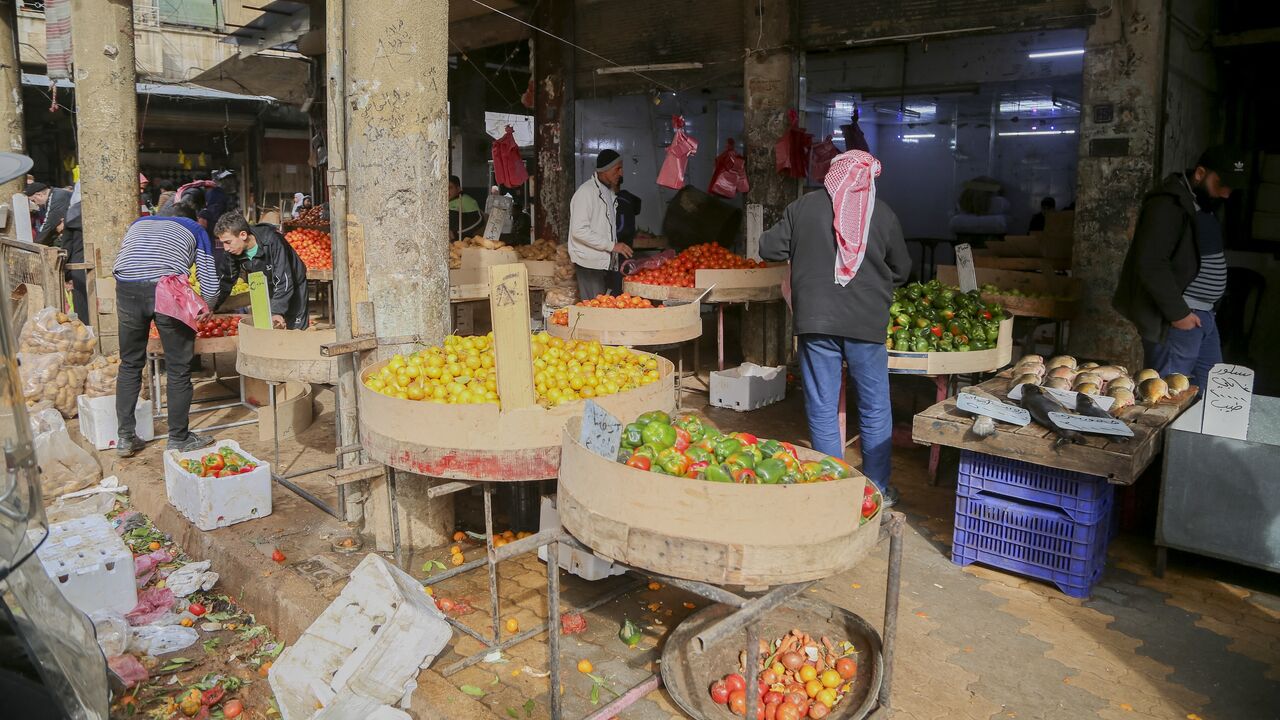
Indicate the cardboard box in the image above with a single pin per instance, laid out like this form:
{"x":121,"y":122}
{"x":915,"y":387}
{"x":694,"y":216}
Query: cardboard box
{"x":748,"y":387}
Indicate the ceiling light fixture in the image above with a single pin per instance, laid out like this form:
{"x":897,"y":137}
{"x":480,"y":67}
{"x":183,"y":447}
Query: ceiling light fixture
{"x":1037,"y":132}
{"x":1055,"y":53}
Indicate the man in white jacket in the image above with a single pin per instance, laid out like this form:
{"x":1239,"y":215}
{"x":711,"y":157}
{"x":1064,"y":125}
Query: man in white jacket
{"x":593,"y":227}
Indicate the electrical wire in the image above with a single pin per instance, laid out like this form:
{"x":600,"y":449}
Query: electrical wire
{"x":5,"y":572}
{"x":593,"y":54}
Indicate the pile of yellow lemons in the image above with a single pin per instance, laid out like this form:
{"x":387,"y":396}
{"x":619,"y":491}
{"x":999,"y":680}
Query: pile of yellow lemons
{"x":462,"y":371}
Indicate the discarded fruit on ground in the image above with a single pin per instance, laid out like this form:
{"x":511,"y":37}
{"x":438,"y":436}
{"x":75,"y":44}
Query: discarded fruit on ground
{"x":807,"y":673}
{"x":277,"y":555}
{"x":513,"y":625}
{"x":847,"y":668}
{"x":153,"y":545}
{"x":457,"y":559}
{"x":264,"y":668}
{"x":459,"y":536}
{"x":196,"y":609}
{"x":232,"y":708}
{"x":585,"y":666}
{"x":738,"y":702}
{"x":455,"y":550}
{"x":655,"y":586}
{"x":445,"y":604}
{"x":186,"y":622}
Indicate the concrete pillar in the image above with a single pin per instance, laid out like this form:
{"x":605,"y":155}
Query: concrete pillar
{"x":11,"y":132}
{"x":397,"y":178}
{"x":107,"y":139}
{"x":770,"y":79}
{"x":1119,"y":130}
{"x":555,"y":142}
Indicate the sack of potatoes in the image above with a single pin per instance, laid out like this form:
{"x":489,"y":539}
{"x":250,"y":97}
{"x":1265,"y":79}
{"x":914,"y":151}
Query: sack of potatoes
{"x":52,"y":330}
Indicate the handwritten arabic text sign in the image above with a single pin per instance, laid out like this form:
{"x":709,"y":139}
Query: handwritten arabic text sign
{"x":1089,"y":424}
{"x":1228,"y":397}
{"x":1004,"y":412}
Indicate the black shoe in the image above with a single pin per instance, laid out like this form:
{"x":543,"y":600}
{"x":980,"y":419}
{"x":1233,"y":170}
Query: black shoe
{"x":129,"y":446}
{"x":193,"y":441}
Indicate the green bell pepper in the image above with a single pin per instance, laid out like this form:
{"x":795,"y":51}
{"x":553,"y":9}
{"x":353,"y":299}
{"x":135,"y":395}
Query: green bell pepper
{"x":654,"y":416}
{"x":742,"y":458}
{"x":770,"y":471}
{"x":673,"y":462}
{"x":717,"y":473}
{"x":698,"y":454}
{"x":726,"y":447}
{"x":659,"y":433}
{"x":631,"y":435}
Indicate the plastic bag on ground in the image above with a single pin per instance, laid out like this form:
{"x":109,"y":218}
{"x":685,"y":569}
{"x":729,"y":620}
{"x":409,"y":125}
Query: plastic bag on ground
{"x":52,"y":330}
{"x":144,"y":565}
{"x":112,"y":631}
{"x":71,"y":508}
{"x":161,"y":639}
{"x":128,"y":669}
{"x":175,"y":298}
{"x":153,"y":603}
{"x":64,"y":466}
{"x":190,"y":578}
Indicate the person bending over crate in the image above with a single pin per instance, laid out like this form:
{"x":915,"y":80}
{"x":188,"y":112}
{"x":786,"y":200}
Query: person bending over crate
{"x":261,"y":248}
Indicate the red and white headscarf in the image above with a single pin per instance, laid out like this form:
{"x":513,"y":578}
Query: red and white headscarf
{"x":851,"y":183}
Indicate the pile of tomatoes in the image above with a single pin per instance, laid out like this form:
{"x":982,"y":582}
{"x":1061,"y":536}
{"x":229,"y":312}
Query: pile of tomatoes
{"x":624,"y":301}
{"x":315,"y":247}
{"x":215,"y":326}
{"x":679,"y":271}
{"x":802,"y":678}
{"x":218,"y":464}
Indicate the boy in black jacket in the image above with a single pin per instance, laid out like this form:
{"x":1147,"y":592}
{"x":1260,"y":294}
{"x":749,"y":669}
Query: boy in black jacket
{"x":261,"y":248}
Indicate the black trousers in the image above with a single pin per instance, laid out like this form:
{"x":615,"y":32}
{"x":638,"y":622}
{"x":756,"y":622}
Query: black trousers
{"x":136,"y":309}
{"x":73,"y":243}
{"x":591,"y":282}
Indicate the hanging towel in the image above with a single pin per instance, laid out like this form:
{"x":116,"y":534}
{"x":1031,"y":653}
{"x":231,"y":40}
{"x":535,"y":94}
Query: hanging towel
{"x":851,"y":183}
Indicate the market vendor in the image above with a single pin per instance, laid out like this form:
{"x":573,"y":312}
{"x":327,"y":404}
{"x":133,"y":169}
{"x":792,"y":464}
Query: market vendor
{"x":593,"y":229}
{"x":155,"y":248}
{"x":1176,"y":269}
{"x":465,"y":218}
{"x":847,"y":253}
{"x":261,"y":248}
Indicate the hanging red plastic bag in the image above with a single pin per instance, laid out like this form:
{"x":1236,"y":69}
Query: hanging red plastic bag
{"x":673,"y":167}
{"x":792,"y":149}
{"x":820,"y":159}
{"x":175,"y":298}
{"x":730,"y":176}
{"x":508,"y":166}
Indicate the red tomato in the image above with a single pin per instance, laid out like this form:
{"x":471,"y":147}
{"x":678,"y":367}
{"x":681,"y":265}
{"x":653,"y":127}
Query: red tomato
{"x":719,"y":692}
{"x":772,"y":697}
{"x":869,"y":506}
{"x":196,"y":609}
{"x":232,"y":708}
{"x":277,"y":555}
{"x":738,"y":702}
{"x":787,"y":711}
{"x":735,"y":682}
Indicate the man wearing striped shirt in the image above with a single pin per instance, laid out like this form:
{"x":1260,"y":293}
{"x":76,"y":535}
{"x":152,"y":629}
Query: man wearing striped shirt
{"x":1176,"y":270}
{"x":152,"y":249}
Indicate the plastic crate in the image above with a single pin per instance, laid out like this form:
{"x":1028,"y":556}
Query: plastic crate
{"x":212,"y":503}
{"x":98,"y":423}
{"x":1031,"y":539}
{"x":89,"y":563}
{"x":1079,"y":495}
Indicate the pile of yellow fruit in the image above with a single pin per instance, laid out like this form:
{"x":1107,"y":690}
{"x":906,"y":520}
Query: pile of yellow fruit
{"x":462,"y":371}
{"x":240,"y":287}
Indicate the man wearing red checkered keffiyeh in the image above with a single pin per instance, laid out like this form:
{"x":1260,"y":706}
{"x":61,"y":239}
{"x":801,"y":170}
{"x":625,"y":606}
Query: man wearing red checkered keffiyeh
{"x":847,"y":254}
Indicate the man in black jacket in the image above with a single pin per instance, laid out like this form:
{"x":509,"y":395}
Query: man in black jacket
{"x":1176,"y":270}
{"x":54,"y":202}
{"x":841,"y":303}
{"x":261,"y":248}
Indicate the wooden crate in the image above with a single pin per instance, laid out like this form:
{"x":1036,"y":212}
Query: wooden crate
{"x":286,"y":355}
{"x":1120,"y":460}
{"x":719,"y":533}
{"x":542,"y":273}
{"x":468,"y":284}
{"x":482,"y":442}
{"x":474,"y":257}
{"x":1063,"y":303}
{"x":757,"y":285}
{"x":956,"y":363}
{"x":632,"y":327}
{"x":204,"y":346}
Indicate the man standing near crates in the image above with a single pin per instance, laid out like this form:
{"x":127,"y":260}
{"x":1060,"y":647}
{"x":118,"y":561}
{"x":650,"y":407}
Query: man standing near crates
{"x":847,"y":254}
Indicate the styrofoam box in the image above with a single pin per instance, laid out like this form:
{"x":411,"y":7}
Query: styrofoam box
{"x":90,"y":563}
{"x":98,"y":422}
{"x":364,"y":650}
{"x":730,"y":389}
{"x":583,"y":564}
{"x":210,"y":503}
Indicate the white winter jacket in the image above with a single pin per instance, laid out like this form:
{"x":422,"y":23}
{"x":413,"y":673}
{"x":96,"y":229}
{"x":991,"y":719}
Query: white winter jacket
{"x":593,"y":214}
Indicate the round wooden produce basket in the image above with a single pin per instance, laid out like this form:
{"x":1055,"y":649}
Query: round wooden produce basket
{"x":688,"y":671}
{"x":286,"y":355}
{"x":758,"y":285}
{"x":719,"y":533}
{"x":631,"y":326}
{"x":953,"y":363}
{"x":482,"y":442}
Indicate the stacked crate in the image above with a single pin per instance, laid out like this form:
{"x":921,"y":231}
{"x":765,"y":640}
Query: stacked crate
{"x":1034,"y":520}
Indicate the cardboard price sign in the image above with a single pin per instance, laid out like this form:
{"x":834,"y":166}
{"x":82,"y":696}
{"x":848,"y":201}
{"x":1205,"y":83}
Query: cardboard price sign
{"x":601,"y":431}
{"x":1067,"y":398}
{"x":1004,"y":412}
{"x":1089,"y":424}
{"x":1228,"y":401}
{"x":964,"y":268}
{"x":259,"y":300}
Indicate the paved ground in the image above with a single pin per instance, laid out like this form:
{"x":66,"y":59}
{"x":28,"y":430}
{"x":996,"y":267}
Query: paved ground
{"x":1204,"y":642}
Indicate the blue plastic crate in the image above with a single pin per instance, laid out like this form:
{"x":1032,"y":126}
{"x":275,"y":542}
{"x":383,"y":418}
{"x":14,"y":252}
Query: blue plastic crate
{"x":1028,"y":533}
{"x":1079,"y":495}
{"x":1071,"y":585}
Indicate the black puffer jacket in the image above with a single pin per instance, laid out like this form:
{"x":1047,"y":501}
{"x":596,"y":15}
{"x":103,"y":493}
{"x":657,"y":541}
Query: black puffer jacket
{"x":286,"y":275}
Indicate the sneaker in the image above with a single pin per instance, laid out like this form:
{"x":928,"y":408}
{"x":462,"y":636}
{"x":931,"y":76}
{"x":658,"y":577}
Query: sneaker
{"x":889,"y":497}
{"x":193,"y":441}
{"x":127,"y":447}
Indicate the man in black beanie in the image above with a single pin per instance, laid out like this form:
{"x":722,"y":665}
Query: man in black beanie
{"x":593,"y":227}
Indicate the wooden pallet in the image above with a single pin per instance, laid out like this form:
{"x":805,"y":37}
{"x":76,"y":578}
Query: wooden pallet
{"x":1121,"y":462}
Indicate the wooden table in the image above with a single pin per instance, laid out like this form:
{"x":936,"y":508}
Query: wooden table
{"x":1120,"y":461}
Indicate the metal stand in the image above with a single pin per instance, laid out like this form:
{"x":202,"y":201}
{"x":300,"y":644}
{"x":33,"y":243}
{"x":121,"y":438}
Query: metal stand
{"x":198,"y":406}
{"x":493,"y":556}
{"x":750,"y":609}
{"x":284,"y":480}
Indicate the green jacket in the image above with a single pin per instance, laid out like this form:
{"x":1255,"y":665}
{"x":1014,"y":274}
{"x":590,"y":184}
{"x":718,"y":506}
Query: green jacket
{"x":1163,"y":259}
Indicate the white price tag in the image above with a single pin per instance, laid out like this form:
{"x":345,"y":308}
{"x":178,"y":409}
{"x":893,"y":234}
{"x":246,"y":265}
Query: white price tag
{"x":601,"y":431}
{"x":1066,"y":397}
{"x":964,"y":268}
{"x":1090,"y":424}
{"x":1004,"y":412}
{"x":755,"y":228}
{"x":1227,"y":401}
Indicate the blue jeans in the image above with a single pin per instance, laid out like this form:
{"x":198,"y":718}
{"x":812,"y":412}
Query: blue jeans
{"x":820,"y":367}
{"x":1191,"y":352}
